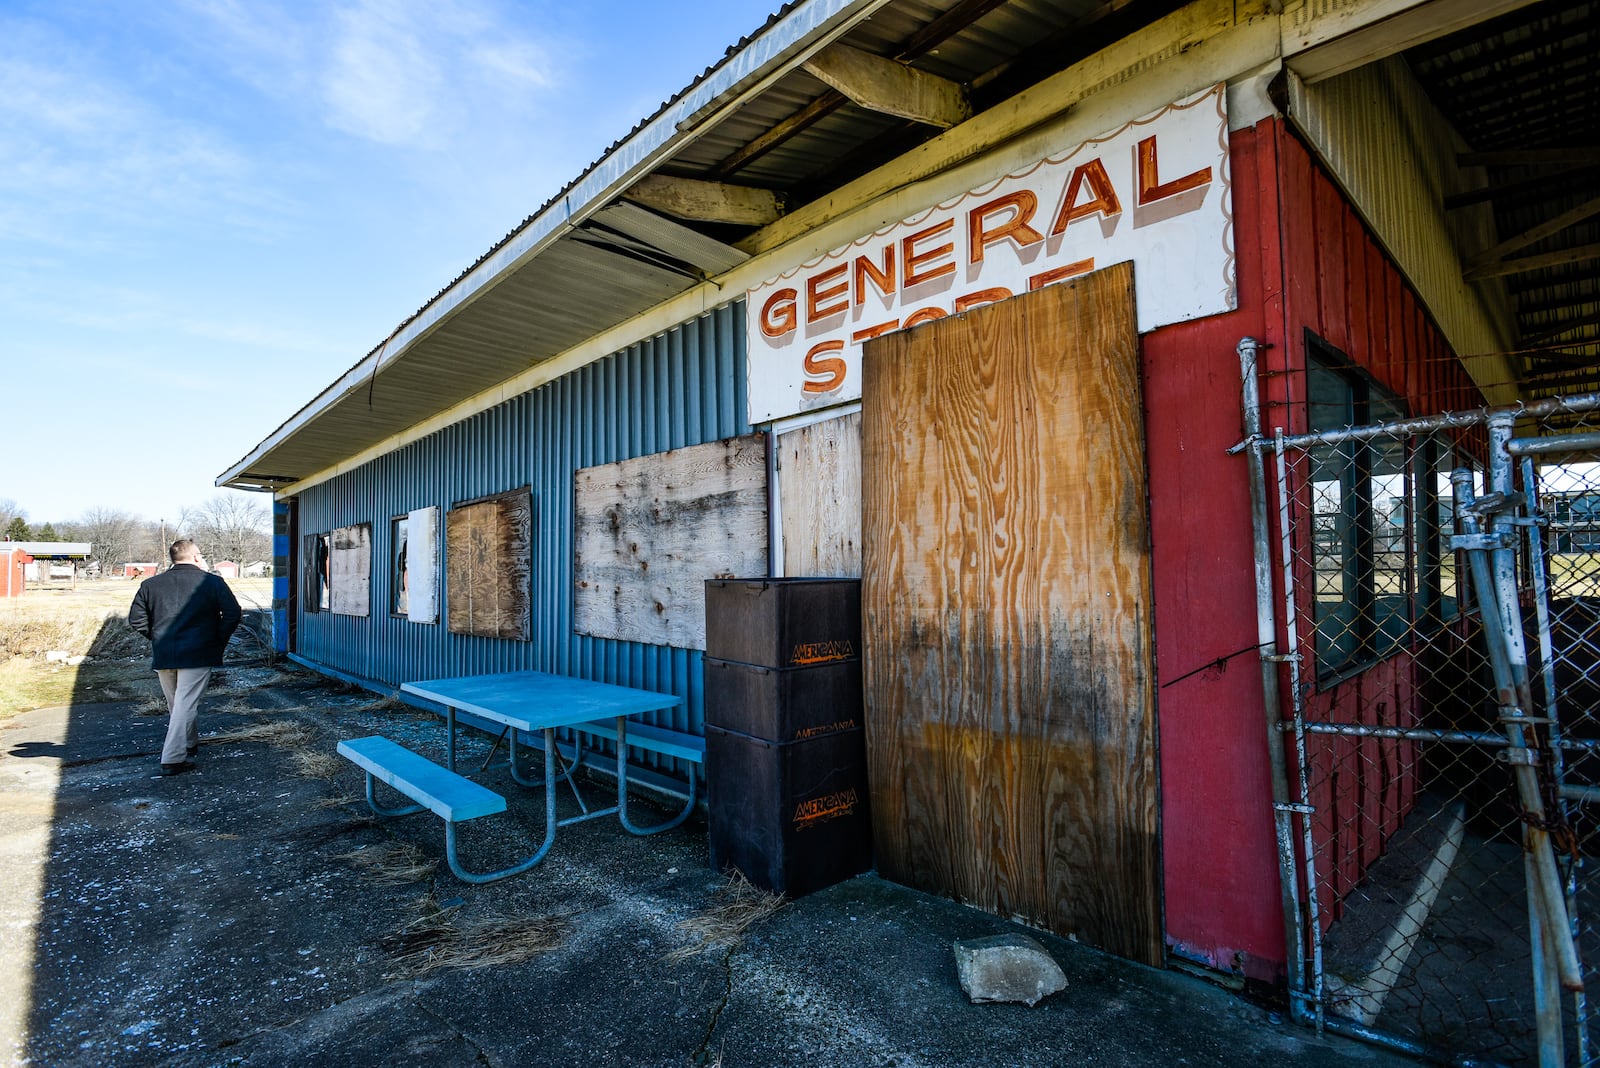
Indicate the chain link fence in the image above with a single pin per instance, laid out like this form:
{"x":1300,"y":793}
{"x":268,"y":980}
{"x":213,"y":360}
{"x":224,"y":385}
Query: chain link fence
{"x":1431,"y":795}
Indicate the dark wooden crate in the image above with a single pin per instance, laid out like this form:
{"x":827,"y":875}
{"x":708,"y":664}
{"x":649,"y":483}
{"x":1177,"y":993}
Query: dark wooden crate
{"x":783,"y":623}
{"x":792,"y":816}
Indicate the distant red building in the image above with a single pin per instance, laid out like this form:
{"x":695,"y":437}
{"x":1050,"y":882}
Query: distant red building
{"x":13,"y":571}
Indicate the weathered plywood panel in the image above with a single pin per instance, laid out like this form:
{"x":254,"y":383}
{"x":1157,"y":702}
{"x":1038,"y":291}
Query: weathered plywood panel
{"x":422,"y":565}
{"x":1006,"y":611}
{"x":651,"y":530}
{"x":819,"y":494}
{"x":489,"y":566}
{"x":350,"y":570}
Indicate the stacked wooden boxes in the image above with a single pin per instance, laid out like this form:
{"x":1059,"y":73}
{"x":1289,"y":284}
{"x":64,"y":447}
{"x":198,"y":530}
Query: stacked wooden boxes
{"x":786,"y":772}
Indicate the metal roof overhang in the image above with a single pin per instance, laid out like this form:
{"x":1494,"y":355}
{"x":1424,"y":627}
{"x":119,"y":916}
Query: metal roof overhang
{"x":1511,"y":75}
{"x":579,"y":266}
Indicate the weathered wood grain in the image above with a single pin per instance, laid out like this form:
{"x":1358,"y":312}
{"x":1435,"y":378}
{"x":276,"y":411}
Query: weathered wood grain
{"x":651,"y":530}
{"x":819,"y":494}
{"x":1006,"y":610}
{"x":350,"y":570}
{"x":489,"y":565}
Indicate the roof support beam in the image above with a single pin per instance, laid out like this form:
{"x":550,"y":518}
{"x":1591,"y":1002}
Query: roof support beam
{"x":883,"y":85}
{"x":1529,"y":157}
{"x":1524,"y":264}
{"x":1549,"y":228}
{"x":719,"y":202}
{"x":1348,"y":36}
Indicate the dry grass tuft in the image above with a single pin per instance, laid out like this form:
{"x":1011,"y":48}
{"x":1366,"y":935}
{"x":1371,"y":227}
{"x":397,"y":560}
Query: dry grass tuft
{"x":235,"y":707}
{"x":222,"y":837}
{"x":339,"y":801}
{"x":394,"y":863}
{"x":437,"y":940}
{"x":740,"y":906}
{"x":316,"y":763}
{"x":280,"y":733}
{"x":152,"y":706}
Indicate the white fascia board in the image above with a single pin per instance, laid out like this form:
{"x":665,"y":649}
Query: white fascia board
{"x":810,"y":27}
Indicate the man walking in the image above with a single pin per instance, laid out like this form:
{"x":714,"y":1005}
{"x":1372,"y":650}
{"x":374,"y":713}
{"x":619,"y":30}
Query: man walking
{"x":188,"y":614}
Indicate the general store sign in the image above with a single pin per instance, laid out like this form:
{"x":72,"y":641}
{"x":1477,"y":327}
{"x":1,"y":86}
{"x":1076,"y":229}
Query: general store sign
{"x":1155,"y":191}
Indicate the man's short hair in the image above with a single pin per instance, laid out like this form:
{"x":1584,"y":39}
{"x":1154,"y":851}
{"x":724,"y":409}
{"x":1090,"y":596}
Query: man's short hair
{"x":181,"y":549}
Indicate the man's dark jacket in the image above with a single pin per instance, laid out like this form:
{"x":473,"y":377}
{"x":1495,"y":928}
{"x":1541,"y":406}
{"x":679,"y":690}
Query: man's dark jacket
{"x":188,"y":615}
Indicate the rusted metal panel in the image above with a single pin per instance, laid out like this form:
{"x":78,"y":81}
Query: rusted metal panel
{"x":819,"y":498}
{"x":652,"y":529}
{"x":1006,"y":613}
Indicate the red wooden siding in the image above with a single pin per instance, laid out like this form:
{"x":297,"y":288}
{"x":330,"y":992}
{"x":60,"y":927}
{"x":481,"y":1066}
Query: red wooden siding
{"x":1305,"y":260}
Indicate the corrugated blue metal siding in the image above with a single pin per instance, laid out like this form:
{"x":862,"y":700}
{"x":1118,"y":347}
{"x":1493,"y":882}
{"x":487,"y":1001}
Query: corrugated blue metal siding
{"x":684,"y":387}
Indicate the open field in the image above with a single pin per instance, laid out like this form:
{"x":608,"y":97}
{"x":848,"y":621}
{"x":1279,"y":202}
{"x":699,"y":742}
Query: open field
{"x":45,"y":632}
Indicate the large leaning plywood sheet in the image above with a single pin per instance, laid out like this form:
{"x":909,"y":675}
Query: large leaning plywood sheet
{"x":489,"y":566}
{"x":653,"y":529}
{"x":350,"y":570}
{"x":819,"y":498}
{"x":1006,"y":613}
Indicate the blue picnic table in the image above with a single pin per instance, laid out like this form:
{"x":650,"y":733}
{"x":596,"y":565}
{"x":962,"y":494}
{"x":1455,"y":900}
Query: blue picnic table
{"x":537,"y":703}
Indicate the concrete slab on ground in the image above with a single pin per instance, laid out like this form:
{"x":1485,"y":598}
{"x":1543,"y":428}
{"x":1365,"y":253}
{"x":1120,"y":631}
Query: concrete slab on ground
{"x":217,"y":918}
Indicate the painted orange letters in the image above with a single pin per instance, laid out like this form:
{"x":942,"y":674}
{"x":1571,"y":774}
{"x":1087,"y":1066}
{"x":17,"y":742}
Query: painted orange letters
{"x":831,"y":285}
{"x":778,"y":313}
{"x":833,"y":367}
{"x":917,"y":267}
{"x":981,"y":297}
{"x":1105,"y":200}
{"x":1151,"y":188}
{"x":882,"y":280}
{"x":1021,"y":205}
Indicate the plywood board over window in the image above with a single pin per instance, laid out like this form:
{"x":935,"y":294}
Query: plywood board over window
{"x":819,"y":498}
{"x":350,"y":570}
{"x":489,"y":566}
{"x":652,"y":529}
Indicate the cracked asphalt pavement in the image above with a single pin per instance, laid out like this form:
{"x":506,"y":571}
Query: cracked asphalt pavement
{"x":214,"y":918}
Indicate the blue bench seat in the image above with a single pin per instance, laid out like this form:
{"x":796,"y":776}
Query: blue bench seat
{"x":455,"y":798}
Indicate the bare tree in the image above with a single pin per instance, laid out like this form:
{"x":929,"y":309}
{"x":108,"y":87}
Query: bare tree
{"x":110,"y":532}
{"x":9,"y":510}
{"x":230,"y":526}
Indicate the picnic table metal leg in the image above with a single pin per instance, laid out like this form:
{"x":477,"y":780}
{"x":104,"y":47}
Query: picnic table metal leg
{"x":549,"y":830}
{"x":372,"y":802}
{"x":450,"y":738}
{"x":566,"y":774}
{"x":622,"y":788}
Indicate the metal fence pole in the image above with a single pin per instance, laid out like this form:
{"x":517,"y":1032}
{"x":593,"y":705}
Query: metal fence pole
{"x":1513,"y":699}
{"x":1267,"y":640}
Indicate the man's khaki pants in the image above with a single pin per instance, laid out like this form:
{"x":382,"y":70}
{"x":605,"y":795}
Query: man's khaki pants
{"x":184,"y":687}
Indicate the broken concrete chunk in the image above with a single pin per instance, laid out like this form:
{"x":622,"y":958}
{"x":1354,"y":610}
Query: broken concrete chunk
{"x":1007,"y":968}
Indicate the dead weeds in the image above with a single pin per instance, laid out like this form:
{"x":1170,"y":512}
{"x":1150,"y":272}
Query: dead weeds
{"x":740,"y":906}
{"x":394,"y":863}
{"x":285,"y":734}
{"x":438,"y":939}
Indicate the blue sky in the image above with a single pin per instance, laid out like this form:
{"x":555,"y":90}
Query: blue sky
{"x":210,"y":209}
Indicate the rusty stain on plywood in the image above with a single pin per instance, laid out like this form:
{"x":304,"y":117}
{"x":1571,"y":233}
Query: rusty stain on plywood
{"x":651,"y":530}
{"x":1006,"y":610}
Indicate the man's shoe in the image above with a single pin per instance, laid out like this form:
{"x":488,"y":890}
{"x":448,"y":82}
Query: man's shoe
{"x":176,"y":769}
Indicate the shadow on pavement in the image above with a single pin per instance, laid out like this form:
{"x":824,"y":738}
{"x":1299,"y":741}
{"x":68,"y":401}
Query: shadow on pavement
{"x":224,"y":917}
